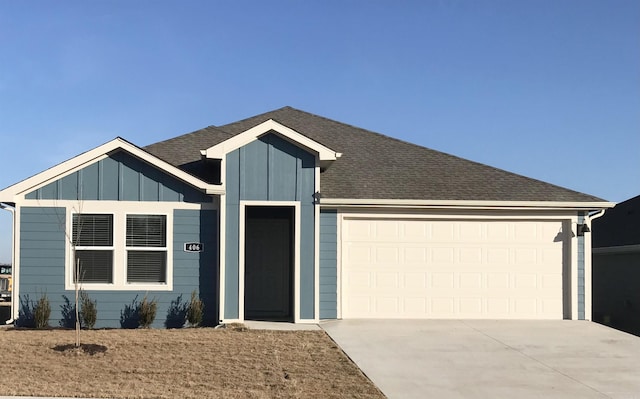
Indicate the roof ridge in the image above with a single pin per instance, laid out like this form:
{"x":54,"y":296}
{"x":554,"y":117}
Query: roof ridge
{"x":253,"y":117}
{"x":213,"y":127}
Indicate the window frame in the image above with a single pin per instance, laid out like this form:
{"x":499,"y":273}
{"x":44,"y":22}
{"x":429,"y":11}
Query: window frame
{"x":76,"y":248}
{"x":163,"y":249}
{"x":120,"y":249}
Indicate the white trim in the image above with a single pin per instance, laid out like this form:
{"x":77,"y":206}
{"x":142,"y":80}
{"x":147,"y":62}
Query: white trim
{"x":125,"y":205}
{"x":463,"y":204}
{"x":296,"y":256}
{"x":458,"y":215}
{"x":15,"y":292}
{"x":218,"y":151}
{"x":222,"y":226}
{"x":340,"y":218}
{"x":574,"y":271}
{"x":241,"y":266}
{"x":316,"y":247}
{"x":620,"y":249}
{"x":587,"y":274}
{"x":10,"y":193}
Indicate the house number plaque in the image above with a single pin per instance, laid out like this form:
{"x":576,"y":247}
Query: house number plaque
{"x":193,"y":247}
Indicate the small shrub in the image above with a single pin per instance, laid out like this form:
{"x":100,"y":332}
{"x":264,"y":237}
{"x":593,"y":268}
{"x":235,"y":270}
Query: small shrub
{"x":177,"y":313}
{"x":147,"y":311}
{"x":42,"y":312}
{"x":195,"y":311}
{"x":68,"y":310}
{"x":129,"y":317}
{"x":25,"y":313}
{"x":88,"y":310}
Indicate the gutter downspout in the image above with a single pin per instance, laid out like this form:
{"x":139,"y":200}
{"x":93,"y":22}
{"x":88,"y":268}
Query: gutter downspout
{"x":596,"y":215}
{"x":13,"y":257}
{"x":588,"y":264}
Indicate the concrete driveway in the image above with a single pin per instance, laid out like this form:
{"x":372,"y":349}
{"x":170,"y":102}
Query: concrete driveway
{"x":492,"y":359}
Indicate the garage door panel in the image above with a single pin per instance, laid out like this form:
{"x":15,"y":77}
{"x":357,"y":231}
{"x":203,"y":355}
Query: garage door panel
{"x":415,"y":231}
{"x":498,"y":306}
{"x":386,"y":280}
{"x":417,"y":255}
{"x":451,"y":269}
{"x":470,"y":255}
{"x":469,"y":281}
{"x":415,"y":281}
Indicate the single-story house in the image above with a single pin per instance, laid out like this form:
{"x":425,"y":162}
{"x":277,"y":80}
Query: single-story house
{"x":292,"y":216}
{"x":616,"y":267}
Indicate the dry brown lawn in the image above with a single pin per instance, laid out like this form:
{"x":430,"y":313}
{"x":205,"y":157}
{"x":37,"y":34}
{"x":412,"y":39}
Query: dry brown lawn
{"x":186,"y":363}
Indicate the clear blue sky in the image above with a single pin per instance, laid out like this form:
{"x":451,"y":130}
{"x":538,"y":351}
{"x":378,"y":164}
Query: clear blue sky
{"x":549,"y":89}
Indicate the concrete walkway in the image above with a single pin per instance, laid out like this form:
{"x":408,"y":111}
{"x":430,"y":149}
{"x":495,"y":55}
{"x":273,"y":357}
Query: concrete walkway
{"x":492,"y":359}
{"x":280,"y":326}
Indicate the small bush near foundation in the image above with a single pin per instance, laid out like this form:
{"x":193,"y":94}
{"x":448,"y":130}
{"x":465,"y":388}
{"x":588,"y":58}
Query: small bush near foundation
{"x":147,"y":311}
{"x":195,"y":310}
{"x":68,"y":310}
{"x":88,"y":310}
{"x":129,"y":317}
{"x":25,"y":313}
{"x":177,"y":313}
{"x":42,"y":312}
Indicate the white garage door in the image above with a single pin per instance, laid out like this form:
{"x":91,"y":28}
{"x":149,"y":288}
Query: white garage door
{"x":451,"y":269}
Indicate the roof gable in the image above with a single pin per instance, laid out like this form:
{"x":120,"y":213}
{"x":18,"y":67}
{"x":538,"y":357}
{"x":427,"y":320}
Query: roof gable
{"x":218,"y":151}
{"x":11,"y":193}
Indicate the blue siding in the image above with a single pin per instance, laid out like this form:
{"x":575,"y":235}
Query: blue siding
{"x":254,"y":171}
{"x":119,"y":177}
{"x":328,"y":264}
{"x":42,"y":266}
{"x":270,"y":169}
{"x":581,"y":258}
{"x":90,"y":178}
{"x":42,"y":255}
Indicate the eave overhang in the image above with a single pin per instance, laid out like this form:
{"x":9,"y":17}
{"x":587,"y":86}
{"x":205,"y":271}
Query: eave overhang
{"x":466,"y":204}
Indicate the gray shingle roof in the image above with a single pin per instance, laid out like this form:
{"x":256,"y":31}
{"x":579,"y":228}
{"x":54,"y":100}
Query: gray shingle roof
{"x":375,"y":166}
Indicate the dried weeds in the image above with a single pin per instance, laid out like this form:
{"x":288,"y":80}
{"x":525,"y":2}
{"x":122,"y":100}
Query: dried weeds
{"x":188,"y":363}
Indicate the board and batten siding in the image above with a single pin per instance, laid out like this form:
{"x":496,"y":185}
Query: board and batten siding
{"x":42,"y":266}
{"x":328,"y":264}
{"x":119,"y":177}
{"x":270,"y":169}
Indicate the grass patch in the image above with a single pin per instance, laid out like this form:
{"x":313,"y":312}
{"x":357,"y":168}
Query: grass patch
{"x":184,"y":363}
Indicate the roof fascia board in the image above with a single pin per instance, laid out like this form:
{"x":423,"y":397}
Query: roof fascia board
{"x":10,"y":193}
{"x":220,"y":150}
{"x":463,"y":204}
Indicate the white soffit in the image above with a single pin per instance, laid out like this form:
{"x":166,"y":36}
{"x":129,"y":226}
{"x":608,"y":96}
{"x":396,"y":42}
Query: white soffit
{"x":220,"y":150}
{"x":9,"y":194}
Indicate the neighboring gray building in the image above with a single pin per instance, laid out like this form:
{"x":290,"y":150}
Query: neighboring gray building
{"x":291,"y":216}
{"x":616,"y":267}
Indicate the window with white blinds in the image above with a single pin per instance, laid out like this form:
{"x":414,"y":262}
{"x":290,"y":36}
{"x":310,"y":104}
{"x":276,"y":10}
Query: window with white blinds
{"x":92,"y":237}
{"x":146,"y":244}
{"x":127,"y":248}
